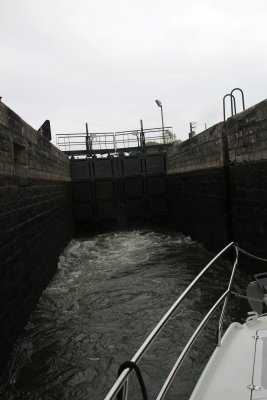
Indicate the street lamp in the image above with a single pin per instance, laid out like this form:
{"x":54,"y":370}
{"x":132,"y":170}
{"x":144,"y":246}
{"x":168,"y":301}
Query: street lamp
{"x":160,"y":105}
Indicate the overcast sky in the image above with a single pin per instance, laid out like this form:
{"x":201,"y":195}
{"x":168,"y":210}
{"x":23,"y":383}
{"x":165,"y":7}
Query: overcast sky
{"x":106,"y":61}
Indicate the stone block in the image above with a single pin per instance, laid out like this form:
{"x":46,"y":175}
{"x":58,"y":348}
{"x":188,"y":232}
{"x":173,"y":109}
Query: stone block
{"x":261,"y":111}
{"x":264,"y":155}
{"x":258,"y":155}
{"x":25,"y":146}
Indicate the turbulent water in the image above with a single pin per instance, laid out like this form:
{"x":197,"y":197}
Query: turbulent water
{"x":108,"y":294}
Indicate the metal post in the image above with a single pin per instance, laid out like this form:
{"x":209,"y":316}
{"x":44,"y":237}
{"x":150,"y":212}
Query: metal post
{"x":125,"y":390}
{"x":191,"y":133}
{"x":142,"y":137}
{"x":114,"y":142}
{"x":158,"y":102}
{"x":163,"y":133}
{"x":192,"y":129}
{"x":87,"y":141}
{"x":138,"y":141}
{"x":233,"y":105}
{"x":221,"y":321}
{"x":242,"y":94}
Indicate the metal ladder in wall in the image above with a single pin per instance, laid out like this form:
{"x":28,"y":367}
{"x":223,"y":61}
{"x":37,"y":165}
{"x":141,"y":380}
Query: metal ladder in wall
{"x":233,"y":102}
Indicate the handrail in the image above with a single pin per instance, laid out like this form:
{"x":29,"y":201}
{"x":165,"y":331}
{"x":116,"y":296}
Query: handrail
{"x":233,"y":102}
{"x":242,"y":94}
{"x":144,"y":347}
{"x":233,"y":105}
{"x":220,"y":325}
{"x":189,"y":344}
{"x":113,"y":141}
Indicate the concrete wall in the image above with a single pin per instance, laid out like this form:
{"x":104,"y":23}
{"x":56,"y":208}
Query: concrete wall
{"x":218,"y":183}
{"x":35,"y":220}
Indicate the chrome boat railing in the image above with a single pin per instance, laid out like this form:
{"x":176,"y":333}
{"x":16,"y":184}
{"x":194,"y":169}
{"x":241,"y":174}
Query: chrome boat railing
{"x":122,"y":380}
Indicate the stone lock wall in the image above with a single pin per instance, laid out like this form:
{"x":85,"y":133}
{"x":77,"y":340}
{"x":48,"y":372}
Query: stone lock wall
{"x":247,"y":146}
{"x":218,"y":184}
{"x":35,"y":221}
{"x":196,"y":184}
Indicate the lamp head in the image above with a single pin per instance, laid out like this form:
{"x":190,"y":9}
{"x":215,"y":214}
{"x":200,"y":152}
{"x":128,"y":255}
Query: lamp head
{"x":158,"y":103}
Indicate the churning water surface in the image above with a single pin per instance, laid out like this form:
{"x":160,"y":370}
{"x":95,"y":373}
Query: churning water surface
{"x":107,"y":295}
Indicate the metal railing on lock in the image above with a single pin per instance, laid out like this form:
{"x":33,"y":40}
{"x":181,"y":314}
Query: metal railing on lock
{"x":127,"y":139}
{"x":159,"y":136}
{"x":233,"y":102}
{"x":142,"y":138}
{"x":70,"y":141}
{"x":90,"y":143}
{"x":86,"y":143}
{"x":120,"y":387}
{"x":103,"y":141}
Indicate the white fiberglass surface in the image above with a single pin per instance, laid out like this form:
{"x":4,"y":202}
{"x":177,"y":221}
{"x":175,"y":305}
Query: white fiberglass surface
{"x":229,"y":373}
{"x":260,"y":366}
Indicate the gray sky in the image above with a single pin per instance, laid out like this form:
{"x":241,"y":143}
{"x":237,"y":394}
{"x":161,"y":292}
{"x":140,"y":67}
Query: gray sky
{"x":106,"y":61}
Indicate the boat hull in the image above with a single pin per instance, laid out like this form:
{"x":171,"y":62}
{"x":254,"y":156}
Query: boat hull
{"x":237,"y":369}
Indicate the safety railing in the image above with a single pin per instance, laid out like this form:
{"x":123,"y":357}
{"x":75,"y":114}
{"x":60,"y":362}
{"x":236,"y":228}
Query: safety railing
{"x":120,"y":387}
{"x":90,"y":143}
{"x":82,"y":142}
{"x":233,"y":102}
{"x":69,"y":141}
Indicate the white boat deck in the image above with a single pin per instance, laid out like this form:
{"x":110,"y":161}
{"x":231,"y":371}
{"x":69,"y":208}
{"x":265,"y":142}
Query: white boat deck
{"x":233,"y":367}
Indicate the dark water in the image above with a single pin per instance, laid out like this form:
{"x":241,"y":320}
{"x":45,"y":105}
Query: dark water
{"x":108,"y":294}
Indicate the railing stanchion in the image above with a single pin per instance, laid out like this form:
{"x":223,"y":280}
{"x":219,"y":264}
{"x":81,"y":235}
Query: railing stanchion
{"x":221,"y":320}
{"x":125,"y":390}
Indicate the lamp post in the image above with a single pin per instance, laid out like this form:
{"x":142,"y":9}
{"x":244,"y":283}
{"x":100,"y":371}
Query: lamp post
{"x":161,"y":109}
